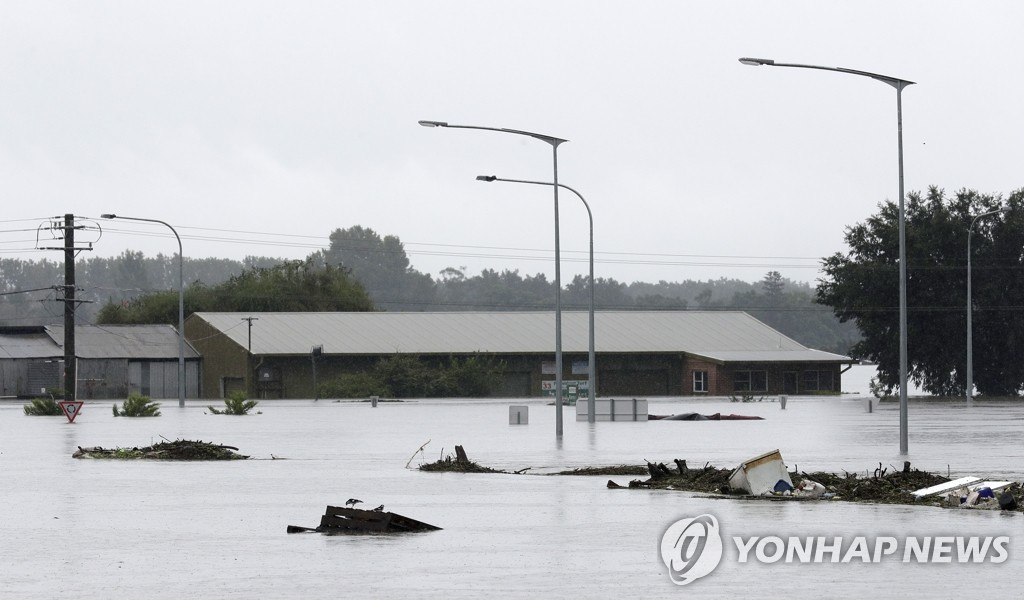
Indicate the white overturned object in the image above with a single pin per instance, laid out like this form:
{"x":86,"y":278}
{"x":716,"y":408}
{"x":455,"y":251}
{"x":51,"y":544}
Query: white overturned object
{"x":810,"y":489}
{"x":945,"y":487}
{"x":760,"y":474}
{"x":971,"y":484}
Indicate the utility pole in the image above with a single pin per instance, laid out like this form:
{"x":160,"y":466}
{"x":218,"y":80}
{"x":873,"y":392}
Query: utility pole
{"x":249,"y":368}
{"x":250,"y":320}
{"x":70,"y":302}
{"x":315,"y":353}
{"x":70,"y":366}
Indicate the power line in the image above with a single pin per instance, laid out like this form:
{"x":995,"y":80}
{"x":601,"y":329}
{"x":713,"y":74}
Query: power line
{"x":503,"y":253}
{"x":544,"y":256}
{"x":52,"y":287}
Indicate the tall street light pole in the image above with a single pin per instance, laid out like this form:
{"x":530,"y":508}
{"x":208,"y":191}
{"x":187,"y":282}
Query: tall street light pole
{"x":970,"y":308}
{"x":558,"y":276}
{"x":591,"y":362}
{"x":898,"y":84}
{"x":181,"y":302}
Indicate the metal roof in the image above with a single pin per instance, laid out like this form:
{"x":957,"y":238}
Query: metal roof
{"x":123,"y":341}
{"x":717,"y":335}
{"x":29,"y":345}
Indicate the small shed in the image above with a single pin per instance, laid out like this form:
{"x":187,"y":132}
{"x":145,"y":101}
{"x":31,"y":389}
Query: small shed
{"x":113,"y":361}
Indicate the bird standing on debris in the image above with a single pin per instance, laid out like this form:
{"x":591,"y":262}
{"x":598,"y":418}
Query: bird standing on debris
{"x":379,"y":508}
{"x":352,"y":502}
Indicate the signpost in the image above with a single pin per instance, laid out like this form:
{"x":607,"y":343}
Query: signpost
{"x":71,"y":408}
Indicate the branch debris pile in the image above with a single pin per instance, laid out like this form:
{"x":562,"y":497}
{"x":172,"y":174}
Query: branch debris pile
{"x":176,"y":450}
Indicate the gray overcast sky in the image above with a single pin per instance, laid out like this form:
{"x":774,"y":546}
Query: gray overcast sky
{"x":257,"y":128}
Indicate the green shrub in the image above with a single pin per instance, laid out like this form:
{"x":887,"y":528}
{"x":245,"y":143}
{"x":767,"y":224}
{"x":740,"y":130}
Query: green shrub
{"x":138,"y":405}
{"x":44,"y":407}
{"x":354,"y":385}
{"x":474,"y":376}
{"x":407,"y":376}
{"x":235,"y":404}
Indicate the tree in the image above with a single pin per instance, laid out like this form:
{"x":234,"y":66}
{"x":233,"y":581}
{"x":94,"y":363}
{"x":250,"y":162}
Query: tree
{"x":382,"y":266}
{"x":131,"y":271}
{"x":773,"y":286}
{"x":296,"y":286}
{"x":608,"y":294}
{"x":863,"y":286}
{"x":491,"y":290}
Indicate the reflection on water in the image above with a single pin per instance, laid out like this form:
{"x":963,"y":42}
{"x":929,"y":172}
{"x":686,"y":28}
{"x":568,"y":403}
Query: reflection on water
{"x":104,"y":529}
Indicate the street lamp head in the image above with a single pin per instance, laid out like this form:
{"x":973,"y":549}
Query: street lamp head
{"x":486,"y":177}
{"x":756,"y":62}
{"x":433,"y":123}
{"x":108,"y":216}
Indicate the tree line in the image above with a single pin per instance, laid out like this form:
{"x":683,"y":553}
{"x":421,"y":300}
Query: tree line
{"x":362,"y":270}
{"x":853,"y":310}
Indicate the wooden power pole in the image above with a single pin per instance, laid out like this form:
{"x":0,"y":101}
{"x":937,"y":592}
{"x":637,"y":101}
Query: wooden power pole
{"x":70,"y":366}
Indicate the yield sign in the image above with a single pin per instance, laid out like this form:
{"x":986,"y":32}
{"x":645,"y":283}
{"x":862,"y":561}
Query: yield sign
{"x":71,"y":408}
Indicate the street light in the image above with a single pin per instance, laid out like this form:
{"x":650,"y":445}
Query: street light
{"x":558,"y":276}
{"x":970,"y":307}
{"x":898,"y":84}
{"x":591,"y":368}
{"x":181,"y":303}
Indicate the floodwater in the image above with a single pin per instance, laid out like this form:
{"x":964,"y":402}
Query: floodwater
{"x":146,"y":529}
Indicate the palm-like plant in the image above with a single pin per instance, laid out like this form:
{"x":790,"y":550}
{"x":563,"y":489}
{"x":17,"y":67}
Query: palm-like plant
{"x":138,"y":405}
{"x":235,"y":404}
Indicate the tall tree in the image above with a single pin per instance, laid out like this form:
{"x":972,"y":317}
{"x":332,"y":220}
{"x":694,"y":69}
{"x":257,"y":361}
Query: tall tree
{"x":773,"y":285}
{"x":863,"y":285}
{"x":383,"y":268}
{"x":131,"y":272}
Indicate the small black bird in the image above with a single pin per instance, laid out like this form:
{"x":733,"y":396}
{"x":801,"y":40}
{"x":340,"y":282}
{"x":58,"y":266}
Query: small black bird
{"x":352,"y":502}
{"x":379,"y":508}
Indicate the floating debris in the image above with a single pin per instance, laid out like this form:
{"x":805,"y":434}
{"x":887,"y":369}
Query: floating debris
{"x":168,"y":450}
{"x":692,"y":416}
{"x":613,"y":470}
{"x":339,"y":520}
{"x":880,"y":486}
{"x":460,"y":463}
{"x":707,"y":479}
{"x":761,"y":474}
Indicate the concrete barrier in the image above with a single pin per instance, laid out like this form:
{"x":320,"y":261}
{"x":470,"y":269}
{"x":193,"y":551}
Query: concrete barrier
{"x":613,"y":409}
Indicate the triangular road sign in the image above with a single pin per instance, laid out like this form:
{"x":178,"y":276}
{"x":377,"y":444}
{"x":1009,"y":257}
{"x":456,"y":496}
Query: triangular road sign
{"x":71,"y":408}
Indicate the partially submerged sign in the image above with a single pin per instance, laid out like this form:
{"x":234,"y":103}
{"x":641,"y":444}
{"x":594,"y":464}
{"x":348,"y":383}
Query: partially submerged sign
{"x":760,"y":474}
{"x":71,"y":408}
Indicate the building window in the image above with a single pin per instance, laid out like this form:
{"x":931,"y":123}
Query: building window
{"x":817,"y":381}
{"x":700,"y":381}
{"x":750,"y":381}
